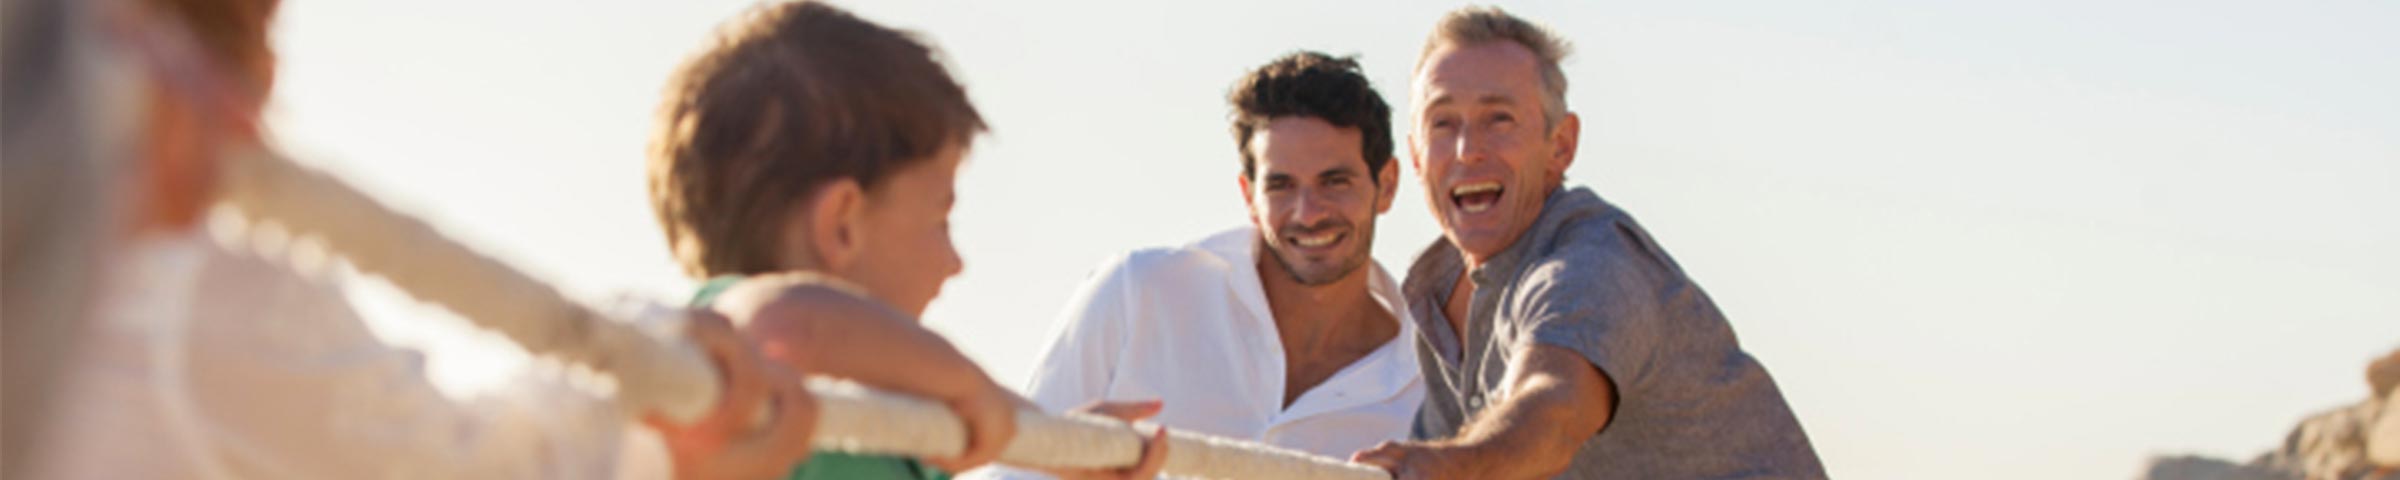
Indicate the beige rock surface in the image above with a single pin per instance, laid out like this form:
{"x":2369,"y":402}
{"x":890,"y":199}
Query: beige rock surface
{"x":2383,"y":440}
{"x":2356,"y":441}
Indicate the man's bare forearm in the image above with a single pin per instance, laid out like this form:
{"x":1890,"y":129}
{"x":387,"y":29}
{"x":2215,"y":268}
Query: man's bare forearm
{"x":1558,"y":400}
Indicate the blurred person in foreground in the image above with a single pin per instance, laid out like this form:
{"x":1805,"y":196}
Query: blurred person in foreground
{"x":200,"y":359}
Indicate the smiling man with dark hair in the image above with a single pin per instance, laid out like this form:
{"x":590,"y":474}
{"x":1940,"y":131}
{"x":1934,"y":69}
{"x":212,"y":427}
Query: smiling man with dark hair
{"x":1283,"y":331}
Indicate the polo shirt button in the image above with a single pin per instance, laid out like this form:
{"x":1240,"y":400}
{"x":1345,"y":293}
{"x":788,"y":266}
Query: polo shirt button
{"x":1474,"y":402}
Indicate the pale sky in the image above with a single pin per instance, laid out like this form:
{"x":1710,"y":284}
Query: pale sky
{"x":2020,"y":239}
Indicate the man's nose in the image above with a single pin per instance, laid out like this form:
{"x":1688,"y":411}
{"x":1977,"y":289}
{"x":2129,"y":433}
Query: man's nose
{"x":1312,"y":206}
{"x":1472,"y":146}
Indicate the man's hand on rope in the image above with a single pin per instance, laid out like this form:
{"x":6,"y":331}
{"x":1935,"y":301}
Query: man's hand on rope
{"x":1411,"y":460}
{"x":1154,"y":451}
{"x":728,"y":443}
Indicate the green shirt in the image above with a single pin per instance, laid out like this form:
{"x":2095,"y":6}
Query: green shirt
{"x":834,"y":465}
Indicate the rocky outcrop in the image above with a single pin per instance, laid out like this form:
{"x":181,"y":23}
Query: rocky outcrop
{"x":2358,"y":441}
{"x":2383,"y":440}
{"x":2204,"y":468}
{"x":2330,"y":445}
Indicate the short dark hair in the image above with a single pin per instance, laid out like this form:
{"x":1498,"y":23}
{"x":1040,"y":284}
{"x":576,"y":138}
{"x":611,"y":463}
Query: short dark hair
{"x":789,"y":97}
{"x":1312,"y":84}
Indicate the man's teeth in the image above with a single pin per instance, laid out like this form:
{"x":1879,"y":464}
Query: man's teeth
{"x":1474,"y":188}
{"x":1317,"y":241}
{"x":1476,"y":197}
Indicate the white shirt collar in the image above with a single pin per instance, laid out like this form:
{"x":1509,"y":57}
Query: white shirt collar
{"x":1389,"y":369}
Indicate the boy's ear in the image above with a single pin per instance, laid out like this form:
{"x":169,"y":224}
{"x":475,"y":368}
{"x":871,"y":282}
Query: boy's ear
{"x":836,"y":221}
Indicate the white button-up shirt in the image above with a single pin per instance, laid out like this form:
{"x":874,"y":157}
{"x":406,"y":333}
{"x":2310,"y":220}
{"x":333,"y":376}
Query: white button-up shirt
{"x":1191,"y":326}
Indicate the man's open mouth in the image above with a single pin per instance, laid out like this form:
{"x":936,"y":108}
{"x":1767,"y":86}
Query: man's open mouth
{"x":1476,"y":197}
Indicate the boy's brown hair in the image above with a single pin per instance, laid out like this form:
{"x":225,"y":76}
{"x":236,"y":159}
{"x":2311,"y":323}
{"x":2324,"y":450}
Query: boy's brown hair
{"x":789,"y":97}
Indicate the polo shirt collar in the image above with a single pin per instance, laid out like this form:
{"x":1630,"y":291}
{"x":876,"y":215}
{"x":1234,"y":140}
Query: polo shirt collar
{"x":1563,"y":204}
{"x":1429,"y":277}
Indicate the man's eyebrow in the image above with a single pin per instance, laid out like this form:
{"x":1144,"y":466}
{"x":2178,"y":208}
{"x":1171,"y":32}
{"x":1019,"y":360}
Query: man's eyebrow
{"x":1493,"y":98}
{"x":1439,"y":99}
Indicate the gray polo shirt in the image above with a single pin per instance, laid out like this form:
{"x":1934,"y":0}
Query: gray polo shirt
{"x":1584,"y":276}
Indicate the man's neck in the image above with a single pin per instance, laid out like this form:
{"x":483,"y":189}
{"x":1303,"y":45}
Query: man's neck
{"x":1312,"y":317}
{"x":1462,"y":292}
{"x":1322,"y":328}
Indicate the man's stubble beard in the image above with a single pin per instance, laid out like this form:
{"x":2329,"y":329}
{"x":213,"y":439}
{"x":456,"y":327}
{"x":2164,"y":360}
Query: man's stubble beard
{"x":1365,"y":236}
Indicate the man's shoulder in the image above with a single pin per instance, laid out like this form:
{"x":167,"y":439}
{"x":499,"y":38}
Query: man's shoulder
{"x":1577,"y":216}
{"x":1588,"y":233}
{"x":1593,"y":251}
{"x":1207,"y":257}
{"x":1179,"y":267}
{"x":1432,"y":268}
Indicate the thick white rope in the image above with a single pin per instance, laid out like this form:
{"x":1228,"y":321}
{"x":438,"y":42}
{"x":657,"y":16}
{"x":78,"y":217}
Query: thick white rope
{"x":675,"y":378}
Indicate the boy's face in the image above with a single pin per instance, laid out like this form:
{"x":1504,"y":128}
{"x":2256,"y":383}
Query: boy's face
{"x":907,"y":254}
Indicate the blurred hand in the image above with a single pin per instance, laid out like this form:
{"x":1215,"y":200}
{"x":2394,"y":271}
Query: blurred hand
{"x":1154,"y":451}
{"x":727,"y":444}
{"x":990,"y":412}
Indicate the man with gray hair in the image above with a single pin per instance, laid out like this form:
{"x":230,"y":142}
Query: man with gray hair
{"x":1555,"y":337}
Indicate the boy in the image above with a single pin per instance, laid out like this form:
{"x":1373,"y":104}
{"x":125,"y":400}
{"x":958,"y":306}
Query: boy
{"x":808,"y":142}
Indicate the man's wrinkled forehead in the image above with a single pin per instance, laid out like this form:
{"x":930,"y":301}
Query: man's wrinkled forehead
{"x":1484,"y":73}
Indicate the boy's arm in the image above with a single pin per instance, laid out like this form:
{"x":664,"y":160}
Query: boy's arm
{"x":819,"y":326}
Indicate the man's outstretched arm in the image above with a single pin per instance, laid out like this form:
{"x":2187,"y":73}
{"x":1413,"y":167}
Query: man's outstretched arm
{"x":1557,"y":401}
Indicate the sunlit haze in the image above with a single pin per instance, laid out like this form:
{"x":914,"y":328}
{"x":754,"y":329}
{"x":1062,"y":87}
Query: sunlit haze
{"x":2022,"y":239}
